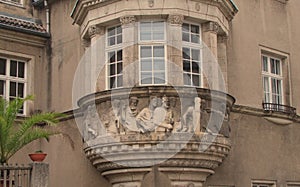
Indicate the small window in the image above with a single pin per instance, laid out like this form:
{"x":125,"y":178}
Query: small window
{"x":12,"y":79}
{"x":191,"y":33}
{"x":152,"y":31}
{"x":114,"y":54}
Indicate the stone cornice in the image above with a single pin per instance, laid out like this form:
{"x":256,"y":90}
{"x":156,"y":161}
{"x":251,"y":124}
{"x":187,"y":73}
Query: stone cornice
{"x":81,"y":8}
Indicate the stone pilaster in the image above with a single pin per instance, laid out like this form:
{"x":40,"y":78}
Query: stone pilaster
{"x":130,"y":50}
{"x":175,"y":22}
{"x":222,"y":57}
{"x":96,"y":63}
{"x":210,"y":64}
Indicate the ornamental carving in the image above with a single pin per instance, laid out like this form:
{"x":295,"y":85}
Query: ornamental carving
{"x":176,"y":19}
{"x":125,"y":20}
{"x":96,"y":30}
{"x":211,"y":27}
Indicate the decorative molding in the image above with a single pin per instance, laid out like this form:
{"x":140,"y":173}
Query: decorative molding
{"x":176,"y":19}
{"x":86,"y":43}
{"x":222,"y":39}
{"x":126,"y":20}
{"x":150,"y":3}
{"x":211,"y":27}
{"x":96,"y":30}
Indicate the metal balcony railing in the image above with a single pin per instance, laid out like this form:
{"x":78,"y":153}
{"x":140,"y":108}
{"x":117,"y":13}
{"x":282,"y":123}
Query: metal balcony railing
{"x":15,"y":175}
{"x":279,"y":108}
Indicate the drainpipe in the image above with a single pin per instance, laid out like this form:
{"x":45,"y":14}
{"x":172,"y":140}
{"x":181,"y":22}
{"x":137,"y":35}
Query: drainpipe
{"x":47,"y":16}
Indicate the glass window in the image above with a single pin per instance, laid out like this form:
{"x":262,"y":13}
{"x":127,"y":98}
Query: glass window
{"x":152,"y":64}
{"x":114,"y":57}
{"x":152,"y":31}
{"x":12,"y":79}
{"x":272,"y":80}
{"x":191,"y":33}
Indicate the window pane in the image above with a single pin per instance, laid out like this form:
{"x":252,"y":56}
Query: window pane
{"x":111,"y":31}
{"x":119,"y":30}
{"x":186,"y":66}
{"x":146,"y":36}
{"x":278,"y":71}
{"x":112,"y":69}
{"x":196,"y":80}
{"x":185,"y":27}
{"x":159,"y":64}
{"x":112,"y":82}
{"x":158,"y":26}
{"x":195,"y":38}
{"x":13,"y":68}
{"x":112,"y":57}
{"x":2,"y":87}
{"x":195,"y":67}
{"x":2,"y":66}
{"x":13,"y":89}
{"x":273,"y":65}
{"x":158,"y":36}
{"x":159,"y":78}
{"x":146,"y":78}
{"x":145,"y":26}
{"x":146,"y":51}
{"x":119,"y":55}
{"x":186,"y":53}
{"x":119,"y":39}
{"x":265,"y":63}
{"x":185,"y":37}
{"x":111,"y":41}
{"x":196,"y":54}
{"x":119,"y":68}
{"x":158,"y":51}
{"x":21,"y":90}
{"x":187,"y":79}
{"x":21,"y":69}
{"x":195,"y":29}
{"x":146,"y":65}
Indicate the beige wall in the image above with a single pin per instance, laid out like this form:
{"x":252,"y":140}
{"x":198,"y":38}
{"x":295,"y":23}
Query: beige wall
{"x":258,"y":23}
{"x":260,"y":151}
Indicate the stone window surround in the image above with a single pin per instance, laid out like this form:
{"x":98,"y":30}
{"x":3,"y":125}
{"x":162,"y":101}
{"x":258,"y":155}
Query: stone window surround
{"x":293,"y":184}
{"x":284,"y":57}
{"x":209,"y":27}
{"x":257,"y":183}
{"x":29,"y":74}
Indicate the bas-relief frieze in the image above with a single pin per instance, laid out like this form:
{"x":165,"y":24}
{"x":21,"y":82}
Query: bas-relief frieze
{"x":155,"y":114}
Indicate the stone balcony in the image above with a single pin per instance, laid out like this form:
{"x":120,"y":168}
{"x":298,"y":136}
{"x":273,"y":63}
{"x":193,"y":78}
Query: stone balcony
{"x":156,"y":136}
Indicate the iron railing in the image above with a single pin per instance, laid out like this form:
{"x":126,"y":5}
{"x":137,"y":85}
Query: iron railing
{"x":279,"y":108}
{"x":15,"y":175}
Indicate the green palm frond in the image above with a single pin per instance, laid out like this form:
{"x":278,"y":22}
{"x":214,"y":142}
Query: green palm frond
{"x":13,"y":135}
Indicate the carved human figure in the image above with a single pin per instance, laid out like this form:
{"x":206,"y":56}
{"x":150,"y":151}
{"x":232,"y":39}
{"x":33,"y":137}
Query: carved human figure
{"x":191,"y":118}
{"x":90,"y":123}
{"x":128,"y":115}
{"x":205,"y":114}
{"x":145,"y":117}
{"x":225,"y":129}
{"x":164,"y":116}
{"x":110,"y":118}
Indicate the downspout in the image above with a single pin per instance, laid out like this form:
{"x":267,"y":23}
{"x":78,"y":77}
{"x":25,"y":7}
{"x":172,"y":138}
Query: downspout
{"x":47,"y":16}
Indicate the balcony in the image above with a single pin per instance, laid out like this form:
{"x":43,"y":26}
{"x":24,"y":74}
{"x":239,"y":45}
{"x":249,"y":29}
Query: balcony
{"x":279,"y":114}
{"x":178,"y":135}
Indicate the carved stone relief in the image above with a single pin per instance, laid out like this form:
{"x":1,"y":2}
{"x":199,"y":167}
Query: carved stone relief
{"x":176,"y":19}
{"x":137,"y":115}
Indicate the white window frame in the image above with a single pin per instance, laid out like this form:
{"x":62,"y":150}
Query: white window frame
{"x":153,"y":43}
{"x":197,"y":46}
{"x":260,"y":183}
{"x":270,"y":76}
{"x":8,"y":78}
{"x":113,"y":48}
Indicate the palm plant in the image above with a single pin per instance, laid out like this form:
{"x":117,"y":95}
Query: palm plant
{"x":15,"y":134}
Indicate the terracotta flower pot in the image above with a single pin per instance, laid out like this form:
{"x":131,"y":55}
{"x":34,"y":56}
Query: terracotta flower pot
{"x":37,"y":157}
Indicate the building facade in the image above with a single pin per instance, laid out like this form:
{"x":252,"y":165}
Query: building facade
{"x":159,"y":92}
